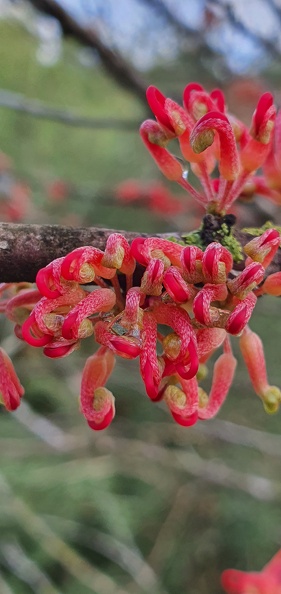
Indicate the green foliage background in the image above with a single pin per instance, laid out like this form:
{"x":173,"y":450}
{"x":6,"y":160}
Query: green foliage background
{"x":147,"y":506}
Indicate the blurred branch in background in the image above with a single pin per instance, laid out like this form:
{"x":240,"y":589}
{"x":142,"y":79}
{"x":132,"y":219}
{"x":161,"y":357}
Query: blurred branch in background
{"x":37,"y":109}
{"x":112,"y":61}
{"x":227,"y":13}
{"x":56,"y":548}
{"x":203,"y":38}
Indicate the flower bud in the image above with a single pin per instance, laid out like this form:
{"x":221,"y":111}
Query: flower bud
{"x":203,"y":135}
{"x":175,"y":286}
{"x":155,"y":140}
{"x":11,"y":389}
{"x":263,"y":248}
{"x":217,"y":262}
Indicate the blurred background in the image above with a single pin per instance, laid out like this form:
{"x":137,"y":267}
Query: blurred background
{"x":147,"y":506}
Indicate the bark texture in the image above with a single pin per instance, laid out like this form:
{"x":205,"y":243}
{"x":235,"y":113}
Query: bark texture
{"x":24,"y":249}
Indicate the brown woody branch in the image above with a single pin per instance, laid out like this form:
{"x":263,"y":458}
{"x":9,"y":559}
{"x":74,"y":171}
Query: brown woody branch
{"x":113,"y":62}
{"x":24,"y":249}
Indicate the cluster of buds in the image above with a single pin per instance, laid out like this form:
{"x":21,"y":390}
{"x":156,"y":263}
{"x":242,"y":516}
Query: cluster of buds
{"x":267,"y":581}
{"x":186,"y":306}
{"x":209,"y":137}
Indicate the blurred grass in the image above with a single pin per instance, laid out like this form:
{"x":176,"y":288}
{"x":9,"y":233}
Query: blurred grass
{"x":147,"y":506}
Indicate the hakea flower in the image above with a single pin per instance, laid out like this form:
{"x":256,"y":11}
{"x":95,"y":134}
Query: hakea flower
{"x":217,"y":262}
{"x":203,"y":312}
{"x":19,"y":307}
{"x":241,"y":314}
{"x":118,"y":255}
{"x":151,"y":366}
{"x":247,"y":280}
{"x":97,"y":403}
{"x":272,"y":285}
{"x":191,"y":261}
{"x":207,"y":136}
{"x":268,"y":182}
{"x":267,"y":581}
{"x":189,"y":402}
{"x":11,"y":389}
{"x":83,"y":264}
{"x":253,"y":354}
{"x":77,"y":324}
{"x":223,"y":375}
{"x":263,"y":248}
{"x":176,"y":287}
{"x":183,"y":402}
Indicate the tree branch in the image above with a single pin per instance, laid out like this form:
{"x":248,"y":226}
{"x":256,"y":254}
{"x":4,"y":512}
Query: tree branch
{"x":24,"y":249}
{"x":113,"y":62}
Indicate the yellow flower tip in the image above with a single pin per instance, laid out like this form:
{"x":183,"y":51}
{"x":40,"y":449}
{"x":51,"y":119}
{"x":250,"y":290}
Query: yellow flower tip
{"x":271,"y":399}
{"x":203,"y":141}
{"x":114,"y":259}
{"x":172,"y":346}
{"x":86,"y":273}
{"x":85,"y":329}
{"x":203,"y":398}
{"x":202,"y":372}
{"x":175,"y":396}
{"x":101,"y":397}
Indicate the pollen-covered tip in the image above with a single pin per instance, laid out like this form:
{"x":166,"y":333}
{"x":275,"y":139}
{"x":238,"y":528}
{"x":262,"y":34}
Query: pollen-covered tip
{"x":152,"y":279}
{"x":183,"y":405}
{"x":118,"y":255}
{"x":217,"y":262}
{"x":203,"y":135}
{"x":103,"y":409}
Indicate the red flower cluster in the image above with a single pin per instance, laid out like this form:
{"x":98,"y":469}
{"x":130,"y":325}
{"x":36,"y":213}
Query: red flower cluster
{"x":195,"y":294}
{"x":208,"y":137}
{"x":188,"y":301}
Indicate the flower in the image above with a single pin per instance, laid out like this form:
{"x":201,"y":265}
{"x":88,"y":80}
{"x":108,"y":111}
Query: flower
{"x":194,"y":293}
{"x":11,"y":389}
{"x":268,"y":581}
{"x":97,"y":403}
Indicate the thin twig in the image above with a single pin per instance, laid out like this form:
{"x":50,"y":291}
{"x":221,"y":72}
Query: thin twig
{"x":211,"y":471}
{"x":26,"y":569}
{"x":229,"y":14}
{"x":4,"y":586}
{"x":129,"y":558}
{"x":56,"y":548}
{"x":44,"y":429}
{"x":268,"y":444}
{"x":38,"y":109}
